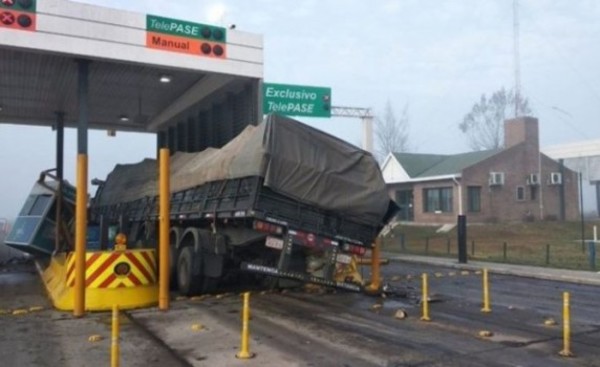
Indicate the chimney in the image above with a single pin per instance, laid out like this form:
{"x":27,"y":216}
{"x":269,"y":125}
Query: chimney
{"x":522,"y":129}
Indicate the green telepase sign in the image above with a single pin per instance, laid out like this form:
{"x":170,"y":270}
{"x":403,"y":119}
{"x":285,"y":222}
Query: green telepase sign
{"x":296,"y":100}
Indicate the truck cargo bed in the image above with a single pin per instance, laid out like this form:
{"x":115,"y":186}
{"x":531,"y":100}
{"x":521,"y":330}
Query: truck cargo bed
{"x":245,"y":198}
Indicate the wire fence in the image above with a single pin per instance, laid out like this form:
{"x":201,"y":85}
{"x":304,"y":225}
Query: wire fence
{"x":578,"y":255}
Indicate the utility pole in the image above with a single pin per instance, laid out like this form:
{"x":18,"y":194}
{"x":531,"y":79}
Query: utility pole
{"x":366,"y":117}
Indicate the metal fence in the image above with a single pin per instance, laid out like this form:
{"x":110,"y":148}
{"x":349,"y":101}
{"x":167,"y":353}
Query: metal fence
{"x":576,"y":255}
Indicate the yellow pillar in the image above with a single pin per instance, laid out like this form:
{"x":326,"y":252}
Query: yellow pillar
{"x":80,"y":235}
{"x":566,"y":351}
{"x":375,"y":267}
{"x":425,"y":299}
{"x":164,"y":222}
{"x":244,"y":352}
{"x":114,"y":345}
{"x":486,"y":293}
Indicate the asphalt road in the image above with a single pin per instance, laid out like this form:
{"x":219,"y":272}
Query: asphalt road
{"x":32,"y":333}
{"x":297,"y":328}
{"x":345,"y":329}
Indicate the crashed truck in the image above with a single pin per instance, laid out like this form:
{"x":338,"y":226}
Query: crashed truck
{"x":282,"y":200}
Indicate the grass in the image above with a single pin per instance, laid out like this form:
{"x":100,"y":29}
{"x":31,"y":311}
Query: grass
{"x":554,"y":244}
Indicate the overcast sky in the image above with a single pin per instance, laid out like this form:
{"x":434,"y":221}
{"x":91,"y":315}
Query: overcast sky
{"x":437,"y":56}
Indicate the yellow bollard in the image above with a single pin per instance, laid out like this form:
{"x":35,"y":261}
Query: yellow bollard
{"x":164,"y":208}
{"x":425,"y":300}
{"x":244,"y":352}
{"x":566,"y":351}
{"x":486,"y":293}
{"x":114,"y":344}
{"x":80,"y":235}
{"x":375,"y":267}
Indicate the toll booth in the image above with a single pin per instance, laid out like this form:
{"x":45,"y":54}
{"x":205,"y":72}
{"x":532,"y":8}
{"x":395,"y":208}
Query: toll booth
{"x":67,"y":64}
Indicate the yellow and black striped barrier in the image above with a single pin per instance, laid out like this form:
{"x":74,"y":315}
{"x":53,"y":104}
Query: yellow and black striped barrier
{"x":124,"y":277}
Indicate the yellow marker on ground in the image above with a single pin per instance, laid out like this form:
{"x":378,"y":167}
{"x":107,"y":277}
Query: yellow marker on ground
{"x":486,"y":334}
{"x":94,"y":338}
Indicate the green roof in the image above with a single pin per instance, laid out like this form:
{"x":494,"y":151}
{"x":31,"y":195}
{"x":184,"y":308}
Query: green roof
{"x":415,"y":164}
{"x":428,"y":165}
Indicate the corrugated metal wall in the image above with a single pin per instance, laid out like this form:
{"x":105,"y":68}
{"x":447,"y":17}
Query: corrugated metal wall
{"x":213,"y":124}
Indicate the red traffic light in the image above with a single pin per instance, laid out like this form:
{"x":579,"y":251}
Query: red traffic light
{"x":24,"y":21}
{"x":7,"y":18}
{"x":213,"y":50}
{"x":14,"y":18}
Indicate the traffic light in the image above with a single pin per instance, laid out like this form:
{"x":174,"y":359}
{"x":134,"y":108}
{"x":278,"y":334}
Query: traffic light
{"x":213,"y":41}
{"x":326,"y":102}
{"x":18,"y":14}
{"x":186,"y":37}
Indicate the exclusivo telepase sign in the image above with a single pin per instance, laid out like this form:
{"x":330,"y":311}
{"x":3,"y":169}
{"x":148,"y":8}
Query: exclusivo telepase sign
{"x":296,"y":100}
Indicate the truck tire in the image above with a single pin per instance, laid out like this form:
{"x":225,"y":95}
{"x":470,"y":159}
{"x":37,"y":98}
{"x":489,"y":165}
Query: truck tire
{"x":187,"y":283}
{"x":173,"y":266}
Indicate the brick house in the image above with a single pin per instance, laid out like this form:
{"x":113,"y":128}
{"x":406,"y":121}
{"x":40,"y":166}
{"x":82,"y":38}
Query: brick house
{"x":517,"y":183}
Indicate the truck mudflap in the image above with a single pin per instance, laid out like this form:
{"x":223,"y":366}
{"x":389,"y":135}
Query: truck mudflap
{"x":303,"y":277}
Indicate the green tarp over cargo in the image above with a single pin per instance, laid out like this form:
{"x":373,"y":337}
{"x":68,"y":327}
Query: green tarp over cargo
{"x":295,"y":160}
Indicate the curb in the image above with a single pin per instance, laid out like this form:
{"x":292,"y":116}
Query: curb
{"x":526,"y":272}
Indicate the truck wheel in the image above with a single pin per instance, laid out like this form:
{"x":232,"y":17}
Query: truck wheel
{"x":172,"y":267}
{"x":187,"y":283}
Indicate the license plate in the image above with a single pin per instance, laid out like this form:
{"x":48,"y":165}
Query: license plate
{"x":274,"y":242}
{"x":344,"y":259}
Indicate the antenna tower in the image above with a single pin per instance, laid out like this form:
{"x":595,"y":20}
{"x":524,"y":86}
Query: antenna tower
{"x":516,"y":56}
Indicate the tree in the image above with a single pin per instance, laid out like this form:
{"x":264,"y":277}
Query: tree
{"x":484,"y":125}
{"x":391,"y":133}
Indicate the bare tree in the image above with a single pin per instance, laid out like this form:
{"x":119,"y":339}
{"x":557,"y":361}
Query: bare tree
{"x":484,"y":125}
{"x":391,"y":133}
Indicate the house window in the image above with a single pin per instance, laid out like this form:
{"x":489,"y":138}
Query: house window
{"x":533,"y":192}
{"x":474,"y":198}
{"x":438,"y":200}
{"x":520,"y":193}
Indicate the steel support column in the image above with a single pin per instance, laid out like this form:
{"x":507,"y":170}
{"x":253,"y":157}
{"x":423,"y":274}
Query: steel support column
{"x":60,"y":138}
{"x":598,"y":197}
{"x":82,"y":178}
